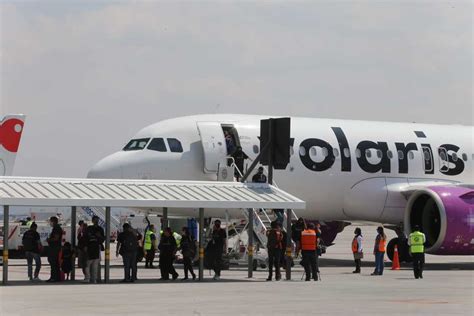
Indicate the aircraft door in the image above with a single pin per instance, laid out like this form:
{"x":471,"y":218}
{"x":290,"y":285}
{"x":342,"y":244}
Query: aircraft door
{"x":213,"y":145}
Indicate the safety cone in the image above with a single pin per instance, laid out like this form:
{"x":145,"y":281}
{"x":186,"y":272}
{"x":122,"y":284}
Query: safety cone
{"x":395,"y":261}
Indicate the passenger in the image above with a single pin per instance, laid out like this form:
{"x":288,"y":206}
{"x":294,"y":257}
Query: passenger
{"x":188,"y":249}
{"x":357,"y":249}
{"x":309,"y":244}
{"x":95,"y":237}
{"x":127,"y":247}
{"x":275,"y":250}
{"x":32,"y":246}
{"x":296,"y":230}
{"x":239,"y":158}
{"x":67,"y":259}
{"x":379,"y":251}
{"x":150,"y":247}
{"x":416,"y":241}
{"x":319,"y":245}
{"x":54,"y":243}
{"x":167,"y":249}
{"x":229,"y":142}
{"x":259,"y":177}
{"x":216,"y":248}
{"x":81,"y":249}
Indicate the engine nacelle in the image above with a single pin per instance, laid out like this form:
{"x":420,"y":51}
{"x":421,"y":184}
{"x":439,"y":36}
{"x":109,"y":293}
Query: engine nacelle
{"x":446,"y":216}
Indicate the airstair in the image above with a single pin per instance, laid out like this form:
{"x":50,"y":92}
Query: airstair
{"x":90,"y":212}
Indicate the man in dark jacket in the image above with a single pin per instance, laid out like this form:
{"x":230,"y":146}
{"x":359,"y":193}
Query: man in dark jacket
{"x":95,"y":237}
{"x":275,"y":249}
{"x":216,"y":248}
{"x":127,"y":247}
{"x":54,"y":243}
{"x":167,"y":249}
{"x":259,"y":177}
{"x":239,"y":158}
{"x":296,"y":230}
{"x":32,"y":246}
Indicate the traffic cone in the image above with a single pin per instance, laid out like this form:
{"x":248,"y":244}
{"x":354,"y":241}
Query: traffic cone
{"x":395,"y":261}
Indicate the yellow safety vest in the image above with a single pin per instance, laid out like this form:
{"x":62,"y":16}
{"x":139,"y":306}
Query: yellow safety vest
{"x":416,"y":242}
{"x":28,"y":224}
{"x":148,"y":242}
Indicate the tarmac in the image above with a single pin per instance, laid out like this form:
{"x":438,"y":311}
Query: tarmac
{"x":446,"y":289}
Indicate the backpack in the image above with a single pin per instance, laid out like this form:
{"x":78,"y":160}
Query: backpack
{"x":130,"y":243}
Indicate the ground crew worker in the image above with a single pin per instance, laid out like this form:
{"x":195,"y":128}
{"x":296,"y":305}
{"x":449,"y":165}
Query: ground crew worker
{"x":379,"y":251}
{"x":357,"y":249}
{"x":29,"y":221}
{"x":416,"y":241}
{"x":309,"y":244}
{"x":275,"y":250}
{"x":150,"y":247}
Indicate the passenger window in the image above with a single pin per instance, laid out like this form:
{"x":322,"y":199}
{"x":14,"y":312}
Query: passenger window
{"x":136,"y":144}
{"x":379,"y":153}
{"x":455,"y":157}
{"x":325,"y":152}
{"x":442,"y":155}
{"x":313,"y":152}
{"x":175,"y":145}
{"x":464,"y":157}
{"x":389,"y":154}
{"x":157,"y":144}
{"x":302,"y":151}
{"x":400,"y":155}
{"x":347,"y":152}
{"x":411,"y":155}
{"x":255,"y":149}
{"x":335,"y":152}
{"x":427,"y":155}
{"x":368,"y":154}
{"x":358,"y":153}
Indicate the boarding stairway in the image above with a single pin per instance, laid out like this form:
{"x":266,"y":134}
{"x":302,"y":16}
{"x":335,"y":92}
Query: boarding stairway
{"x":89,"y":212}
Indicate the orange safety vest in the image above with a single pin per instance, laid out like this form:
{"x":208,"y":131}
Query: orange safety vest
{"x":382,"y":244}
{"x":355,"y":245}
{"x":308,"y":239}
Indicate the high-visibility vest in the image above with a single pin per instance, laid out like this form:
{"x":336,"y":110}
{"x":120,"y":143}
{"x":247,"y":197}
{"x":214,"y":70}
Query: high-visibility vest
{"x":382,"y":244}
{"x":28,"y":224}
{"x":355,"y":245}
{"x":148,"y":243}
{"x":308,"y":239}
{"x":416,"y":242}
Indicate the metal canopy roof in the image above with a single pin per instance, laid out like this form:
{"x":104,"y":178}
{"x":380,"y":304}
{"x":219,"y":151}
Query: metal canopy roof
{"x":16,"y":191}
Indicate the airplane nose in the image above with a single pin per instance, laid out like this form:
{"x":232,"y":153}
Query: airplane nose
{"x":107,"y":168}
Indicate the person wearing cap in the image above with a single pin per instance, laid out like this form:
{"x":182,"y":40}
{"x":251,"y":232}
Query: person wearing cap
{"x":259,"y":177}
{"x":54,"y":248}
{"x":275,"y":250}
{"x":416,"y":241}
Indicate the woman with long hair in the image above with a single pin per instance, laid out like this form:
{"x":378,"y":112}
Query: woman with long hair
{"x":379,"y":250}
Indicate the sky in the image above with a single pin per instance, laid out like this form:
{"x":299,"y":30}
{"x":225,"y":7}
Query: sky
{"x":90,"y":74}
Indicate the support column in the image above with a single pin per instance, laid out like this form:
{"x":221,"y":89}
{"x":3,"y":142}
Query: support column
{"x":201,"y":244}
{"x":6,"y":229}
{"x":73,"y":239}
{"x":165,"y":218}
{"x":288,"y":245}
{"x":107,"y":245}
{"x":250,"y":243}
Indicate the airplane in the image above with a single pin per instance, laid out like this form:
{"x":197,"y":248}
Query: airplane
{"x":11,"y":129}
{"x":397,"y":174}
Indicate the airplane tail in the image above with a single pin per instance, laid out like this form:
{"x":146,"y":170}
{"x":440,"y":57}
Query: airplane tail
{"x":11,"y":129}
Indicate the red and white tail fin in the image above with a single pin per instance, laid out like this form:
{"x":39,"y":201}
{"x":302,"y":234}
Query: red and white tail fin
{"x":11,"y":128}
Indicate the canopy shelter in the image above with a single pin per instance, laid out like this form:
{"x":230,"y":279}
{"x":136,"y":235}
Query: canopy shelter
{"x":147,"y":194}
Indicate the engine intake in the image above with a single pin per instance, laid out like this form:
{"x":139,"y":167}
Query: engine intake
{"x":446,"y":216}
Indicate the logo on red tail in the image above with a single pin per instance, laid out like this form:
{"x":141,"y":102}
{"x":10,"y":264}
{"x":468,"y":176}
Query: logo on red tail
{"x":10,"y":134}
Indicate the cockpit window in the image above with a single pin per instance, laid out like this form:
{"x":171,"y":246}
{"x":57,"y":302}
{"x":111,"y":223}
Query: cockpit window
{"x":136,"y":144}
{"x":157,"y":144}
{"x":175,"y":145}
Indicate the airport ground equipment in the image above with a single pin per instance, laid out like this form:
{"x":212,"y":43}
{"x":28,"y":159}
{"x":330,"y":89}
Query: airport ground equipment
{"x":145,"y":195}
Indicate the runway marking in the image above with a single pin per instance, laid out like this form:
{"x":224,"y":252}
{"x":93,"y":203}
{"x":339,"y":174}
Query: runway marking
{"x":420,"y":302}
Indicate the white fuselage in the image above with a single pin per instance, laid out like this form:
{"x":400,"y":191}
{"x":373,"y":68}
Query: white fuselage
{"x":344,"y":170}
